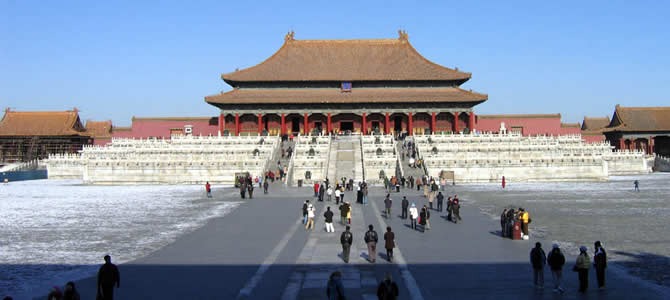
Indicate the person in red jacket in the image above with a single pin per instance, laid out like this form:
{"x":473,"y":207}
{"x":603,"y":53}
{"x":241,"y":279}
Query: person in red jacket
{"x":316,"y":189}
{"x":208,"y":189}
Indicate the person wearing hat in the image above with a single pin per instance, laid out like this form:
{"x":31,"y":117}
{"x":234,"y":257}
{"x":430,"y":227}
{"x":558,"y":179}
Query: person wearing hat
{"x":413,"y":215}
{"x":556,"y":260}
{"x":108,"y":276}
{"x":537,"y":260}
{"x":582,"y":269}
{"x":600,"y":263}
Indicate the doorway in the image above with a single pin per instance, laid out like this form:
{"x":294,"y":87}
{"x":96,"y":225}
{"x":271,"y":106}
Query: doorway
{"x":318,"y":126}
{"x":375,"y":127}
{"x":295,"y":125}
{"x":397,"y":124}
{"x":344,"y":126}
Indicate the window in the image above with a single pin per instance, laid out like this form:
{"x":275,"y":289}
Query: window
{"x":346,"y":86}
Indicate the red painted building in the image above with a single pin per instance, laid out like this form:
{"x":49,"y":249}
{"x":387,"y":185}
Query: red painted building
{"x":528,"y":124}
{"x":166,"y":127}
{"x":642,"y":128}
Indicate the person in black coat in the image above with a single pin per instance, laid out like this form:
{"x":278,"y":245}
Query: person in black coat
{"x":108,"y":277}
{"x":422,"y":219}
{"x":556,"y":260}
{"x":387,"y":290}
{"x":440,"y":201}
{"x":600,"y":263}
{"x":405,"y":206}
{"x":70,"y":292}
{"x":346,"y":239}
{"x":322,"y":190}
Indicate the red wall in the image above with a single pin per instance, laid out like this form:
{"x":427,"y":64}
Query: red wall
{"x":161,"y":128}
{"x":531,"y":126}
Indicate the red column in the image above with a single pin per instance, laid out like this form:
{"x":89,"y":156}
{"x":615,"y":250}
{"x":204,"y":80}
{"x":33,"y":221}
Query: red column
{"x":306,"y":131}
{"x":472,"y":121}
{"x":455,"y":122}
{"x":222,"y":123}
{"x":387,"y":129}
{"x":237,"y":124}
{"x":329,"y":124}
{"x":432,"y":123}
{"x":410,"y":124}
{"x":283,"y":124}
{"x":260,"y":124}
{"x":651,"y":145}
{"x":622,"y":144}
{"x":364,"y":126}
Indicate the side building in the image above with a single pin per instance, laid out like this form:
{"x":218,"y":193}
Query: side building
{"x":640,"y":128}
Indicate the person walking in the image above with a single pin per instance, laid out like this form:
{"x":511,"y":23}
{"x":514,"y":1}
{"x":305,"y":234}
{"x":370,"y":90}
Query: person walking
{"x":337,"y":195}
{"x":365,"y":193}
{"x":525,"y":220}
{"x":636,"y":184}
{"x":305,"y":205}
{"x":343,"y":213}
{"x":387,"y":206}
{"x":310,"y":217}
{"x":322,"y":191}
{"x":556,"y":260}
{"x":335,"y":289}
{"x":389,"y":243}
{"x":108,"y":277}
{"x":582,"y":268}
{"x":405,"y":205}
{"x":342,"y":194}
{"x":328,"y":218}
{"x":503,"y":223}
{"x":456,"y":208}
{"x":413,"y":215}
{"x":387,"y":290}
{"x":266,"y":185}
{"x":208,"y":189}
{"x":422,"y":219}
{"x":316,"y":189}
{"x":600,"y":263}
{"x":450,"y":209}
{"x":371,"y":240}
{"x":427,"y":217}
{"x":349,"y":209}
{"x":250,"y":189}
{"x":346,"y":239}
{"x":440,"y":201}
{"x":329,"y":192}
{"x":537,"y":260}
{"x":243,"y":188}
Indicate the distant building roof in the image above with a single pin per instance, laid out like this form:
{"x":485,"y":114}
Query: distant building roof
{"x":361,"y":95}
{"x":628,"y":119}
{"x":521,"y":116}
{"x":41,"y":123}
{"x":99,"y":129}
{"x":346,"y":60}
{"x":569,"y":125}
{"x":594,"y":124}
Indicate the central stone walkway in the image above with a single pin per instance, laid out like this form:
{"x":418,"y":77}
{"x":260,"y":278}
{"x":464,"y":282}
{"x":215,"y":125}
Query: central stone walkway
{"x":262,"y":251}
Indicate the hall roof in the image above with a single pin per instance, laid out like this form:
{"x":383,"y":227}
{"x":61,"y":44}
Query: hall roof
{"x":346,"y":60}
{"x":99,"y":128}
{"x":360,"y":95}
{"x":41,"y":123}
{"x":591,"y":124}
{"x":631,"y":119}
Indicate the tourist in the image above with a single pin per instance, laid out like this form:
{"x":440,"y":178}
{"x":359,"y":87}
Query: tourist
{"x":387,"y":206}
{"x":316,"y":190}
{"x":266,"y":185}
{"x":387,"y":290}
{"x":386,"y":183}
{"x":55,"y":294}
{"x":418,"y":184}
{"x":365,"y":193}
{"x":456,"y":209}
{"x":422,"y":219}
{"x":322,"y":190}
{"x":371,"y":239}
{"x":427,"y":217}
{"x":250,"y":189}
{"x":329,"y":192}
{"x":335,"y":289}
{"x":600,"y":263}
{"x":327,"y":182}
{"x":426,"y":189}
{"x":348,"y":212}
{"x":259,"y":179}
{"x":503,"y":223}
{"x":310,"y":217}
{"x":411,"y":182}
{"x":394,"y":180}
{"x":537,"y":260}
{"x":556,"y":260}
{"x":582,"y":268}
{"x":342,"y":194}
{"x":637,"y":185}
{"x":359,"y":193}
{"x":440,"y":201}
{"x":413,"y":215}
{"x":108,"y":276}
{"x":337,"y":194}
{"x":208,"y":189}
{"x":70,"y":292}
{"x":389,"y":243}
{"x":510,"y":222}
{"x":343,"y":213}
{"x":402,"y":181}
{"x":328,"y":217}
{"x":405,"y":205}
{"x":346,"y":239}
{"x":305,"y":205}
{"x":397,"y":186}
{"x":525,"y":219}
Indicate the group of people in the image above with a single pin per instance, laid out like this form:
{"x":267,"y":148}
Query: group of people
{"x":556,"y":260}
{"x":246,"y":185}
{"x":387,"y":289}
{"x":371,"y":239}
{"x":511,"y":216}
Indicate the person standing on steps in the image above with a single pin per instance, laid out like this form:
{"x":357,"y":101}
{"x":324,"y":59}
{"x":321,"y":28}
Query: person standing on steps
{"x":328,"y":218}
{"x":440,"y":201}
{"x":389,"y":243}
{"x":335,"y":290}
{"x":371,"y":239}
{"x":387,"y":290}
{"x":387,"y":206}
{"x":556,"y":260}
{"x":582,"y":268}
{"x":208,"y":189}
{"x":600,"y":263}
{"x":108,"y":277}
{"x":346,"y":239}
{"x":405,"y":206}
{"x":537,"y":260}
{"x":413,"y":215}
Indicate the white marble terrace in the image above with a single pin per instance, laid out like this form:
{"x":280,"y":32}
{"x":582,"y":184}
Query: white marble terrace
{"x":378,"y":155}
{"x":311,"y":155}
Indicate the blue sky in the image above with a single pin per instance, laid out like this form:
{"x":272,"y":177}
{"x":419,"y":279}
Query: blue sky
{"x":114,"y":59}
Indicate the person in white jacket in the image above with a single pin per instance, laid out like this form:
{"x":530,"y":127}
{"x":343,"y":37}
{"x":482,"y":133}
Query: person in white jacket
{"x":310,"y":217}
{"x":413,"y":215}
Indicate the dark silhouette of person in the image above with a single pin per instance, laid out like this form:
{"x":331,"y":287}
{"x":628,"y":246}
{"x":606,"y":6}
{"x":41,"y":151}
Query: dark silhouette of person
{"x":108,"y":276}
{"x":70,"y":292}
